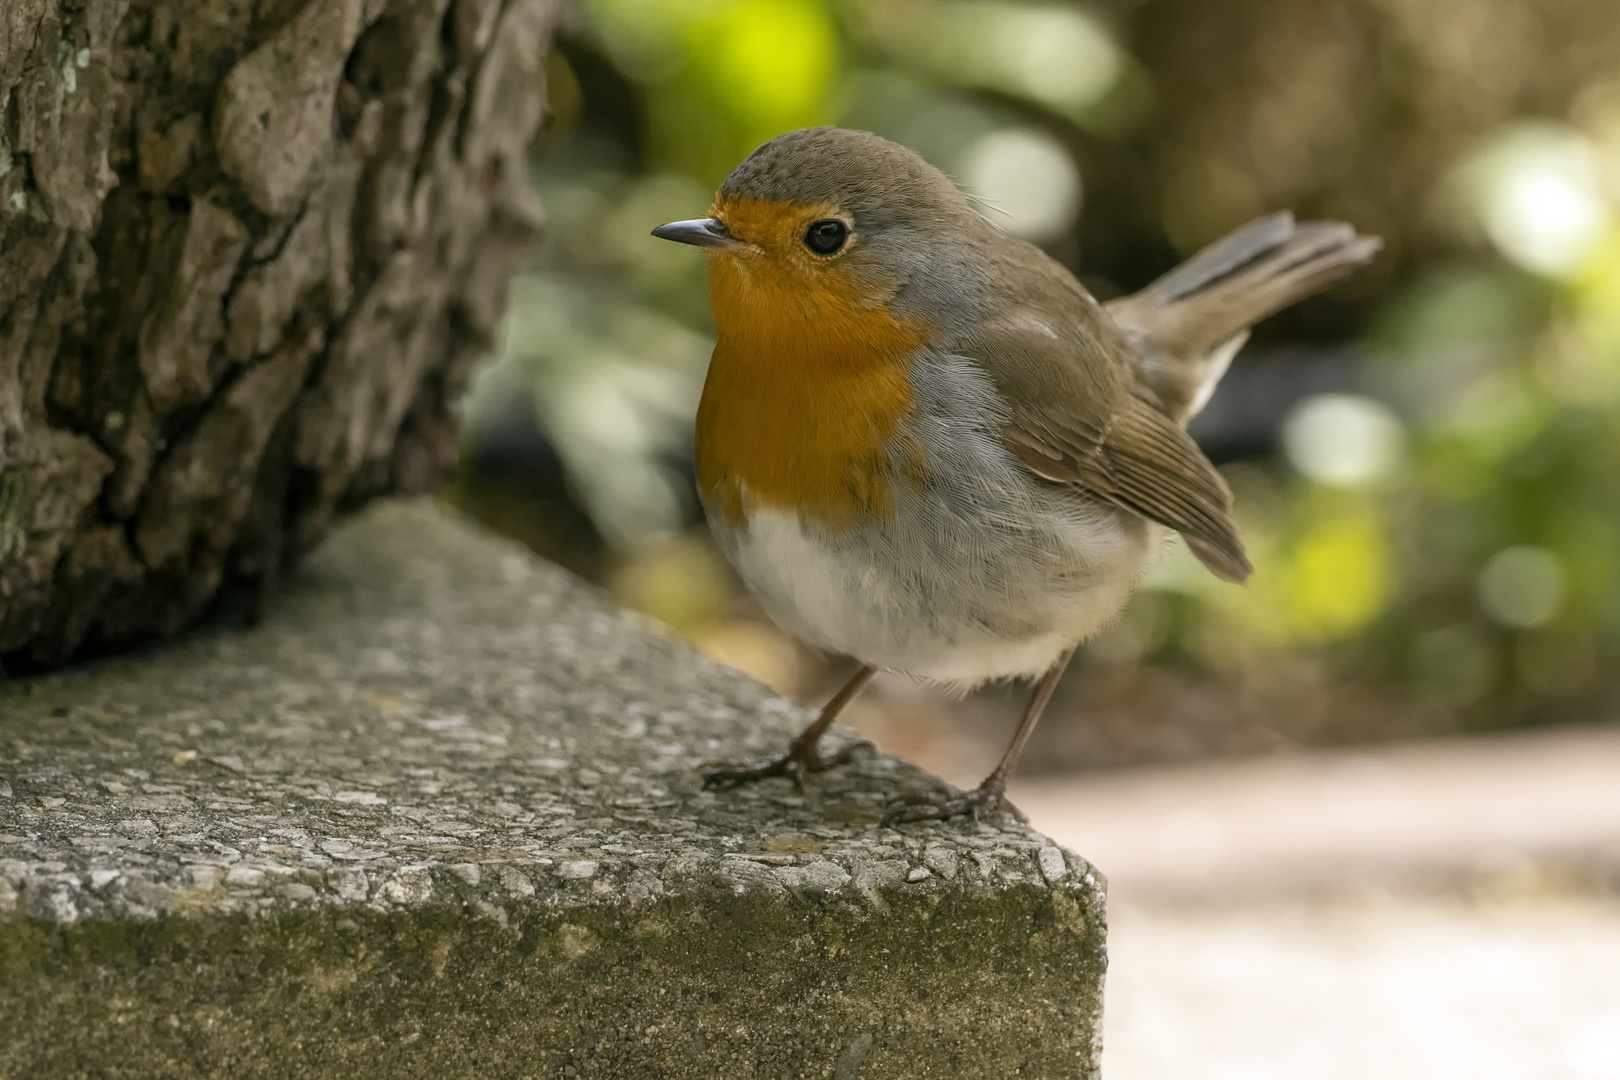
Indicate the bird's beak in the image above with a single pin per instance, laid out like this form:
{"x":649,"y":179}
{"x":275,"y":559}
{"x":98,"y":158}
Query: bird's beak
{"x":703,"y":232}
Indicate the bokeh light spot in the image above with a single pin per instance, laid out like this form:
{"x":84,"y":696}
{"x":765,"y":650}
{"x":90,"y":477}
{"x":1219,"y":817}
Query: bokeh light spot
{"x":1343,"y":439}
{"x":770,"y":61}
{"x":1028,"y":178}
{"x":1522,"y":586}
{"x":1537,"y":191}
{"x":1059,"y":55}
{"x":1340,"y":576}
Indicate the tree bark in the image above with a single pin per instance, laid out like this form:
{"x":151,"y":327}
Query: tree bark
{"x":248,"y":253}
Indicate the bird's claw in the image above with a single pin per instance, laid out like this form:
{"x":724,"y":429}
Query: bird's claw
{"x":982,"y":800}
{"x":800,"y":760}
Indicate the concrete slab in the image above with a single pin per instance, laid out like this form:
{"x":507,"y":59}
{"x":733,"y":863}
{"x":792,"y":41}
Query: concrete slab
{"x":439,"y":817}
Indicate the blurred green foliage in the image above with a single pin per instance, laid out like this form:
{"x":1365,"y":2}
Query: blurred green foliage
{"x":1446,"y":527}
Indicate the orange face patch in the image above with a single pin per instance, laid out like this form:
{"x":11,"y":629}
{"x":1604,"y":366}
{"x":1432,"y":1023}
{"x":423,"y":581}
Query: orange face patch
{"x":808,"y":382}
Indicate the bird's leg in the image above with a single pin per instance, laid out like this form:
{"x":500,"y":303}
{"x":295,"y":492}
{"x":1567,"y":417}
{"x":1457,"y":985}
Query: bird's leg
{"x":991,"y":795}
{"x":804,"y":752}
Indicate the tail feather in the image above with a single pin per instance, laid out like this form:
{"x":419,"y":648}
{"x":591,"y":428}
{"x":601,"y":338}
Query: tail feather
{"x":1187,"y":323}
{"x":1224,"y":256}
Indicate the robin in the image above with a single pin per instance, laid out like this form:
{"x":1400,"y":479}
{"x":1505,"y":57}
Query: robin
{"x":923,"y":443}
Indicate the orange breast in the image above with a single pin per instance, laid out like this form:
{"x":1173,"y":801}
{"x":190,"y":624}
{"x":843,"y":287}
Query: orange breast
{"x":806,"y":390}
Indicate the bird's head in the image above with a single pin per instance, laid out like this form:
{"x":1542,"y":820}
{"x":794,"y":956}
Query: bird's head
{"x":823,"y":223}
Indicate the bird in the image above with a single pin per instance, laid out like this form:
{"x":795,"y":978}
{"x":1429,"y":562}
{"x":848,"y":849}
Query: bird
{"x":923,"y":444}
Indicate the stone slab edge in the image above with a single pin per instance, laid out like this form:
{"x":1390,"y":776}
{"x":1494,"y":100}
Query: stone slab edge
{"x":438,"y":816}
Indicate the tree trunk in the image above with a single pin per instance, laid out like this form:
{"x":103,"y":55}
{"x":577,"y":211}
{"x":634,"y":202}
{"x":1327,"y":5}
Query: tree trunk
{"x":248,"y":253}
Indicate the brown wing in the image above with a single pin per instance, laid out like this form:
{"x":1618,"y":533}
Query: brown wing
{"x":1142,"y":462}
{"x":1078,"y":416}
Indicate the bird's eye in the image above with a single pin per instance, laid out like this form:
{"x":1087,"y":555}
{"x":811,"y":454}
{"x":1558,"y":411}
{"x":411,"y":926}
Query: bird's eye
{"x":826,"y":236}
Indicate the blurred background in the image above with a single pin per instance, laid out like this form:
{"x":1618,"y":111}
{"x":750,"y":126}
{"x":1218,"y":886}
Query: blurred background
{"x":1361,"y":817}
{"x":1426,"y":460}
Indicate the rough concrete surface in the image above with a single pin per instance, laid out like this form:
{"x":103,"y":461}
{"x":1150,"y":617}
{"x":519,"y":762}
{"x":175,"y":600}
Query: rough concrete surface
{"x":439,"y":816}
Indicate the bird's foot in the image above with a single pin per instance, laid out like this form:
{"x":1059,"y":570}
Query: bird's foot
{"x":987,"y":798}
{"x":801,"y":759}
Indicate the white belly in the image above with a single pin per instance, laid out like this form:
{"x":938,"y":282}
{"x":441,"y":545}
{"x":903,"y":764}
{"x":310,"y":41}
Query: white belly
{"x":923,"y":612}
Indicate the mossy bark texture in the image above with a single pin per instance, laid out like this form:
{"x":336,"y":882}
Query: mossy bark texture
{"x":249,"y":250}
{"x":439,"y":816}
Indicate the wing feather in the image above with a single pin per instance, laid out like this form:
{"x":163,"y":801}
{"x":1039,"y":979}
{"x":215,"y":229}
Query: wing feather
{"x":1076,"y":415}
{"x":1143,"y":463}
{"x":1092,"y":402}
